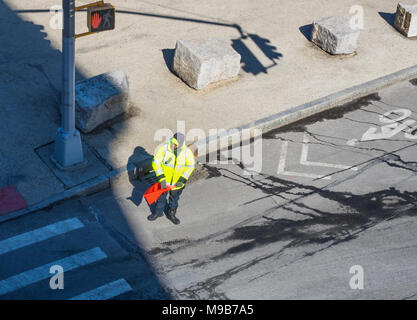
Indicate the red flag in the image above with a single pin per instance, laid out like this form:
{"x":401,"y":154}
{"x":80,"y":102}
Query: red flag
{"x":154,"y":192}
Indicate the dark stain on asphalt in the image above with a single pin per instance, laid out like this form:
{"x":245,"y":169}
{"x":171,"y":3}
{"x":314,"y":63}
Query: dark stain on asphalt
{"x":358,"y":212}
{"x":176,"y":242}
{"x":210,"y":285}
{"x":312,"y":227}
{"x":211,"y":172}
{"x":167,"y":246}
{"x":203,"y":171}
{"x":363,"y":212}
{"x":158,"y":250}
{"x":332,"y":114}
{"x":414,"y":82}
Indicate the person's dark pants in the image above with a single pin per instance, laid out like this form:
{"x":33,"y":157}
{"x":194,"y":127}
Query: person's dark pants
{"x":174,"y":196}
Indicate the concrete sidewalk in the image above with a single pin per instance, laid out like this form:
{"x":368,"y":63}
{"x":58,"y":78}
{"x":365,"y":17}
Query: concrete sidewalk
{"x":293,"y":73}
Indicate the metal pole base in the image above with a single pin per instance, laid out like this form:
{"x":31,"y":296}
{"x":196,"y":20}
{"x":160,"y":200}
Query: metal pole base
{"x":68,"y":150}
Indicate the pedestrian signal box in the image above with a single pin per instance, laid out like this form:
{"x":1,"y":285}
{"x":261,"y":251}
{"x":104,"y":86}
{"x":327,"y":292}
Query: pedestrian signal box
{"x":101,"y":18}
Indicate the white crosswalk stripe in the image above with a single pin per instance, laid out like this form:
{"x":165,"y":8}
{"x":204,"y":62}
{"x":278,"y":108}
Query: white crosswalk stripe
{"x":40,"y":234}
{"x":75,"y":261}
{"x":106,"y":291}
{"x":40,"y":273}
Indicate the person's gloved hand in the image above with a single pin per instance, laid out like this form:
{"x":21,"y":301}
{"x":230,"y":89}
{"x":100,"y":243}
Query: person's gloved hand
{"x":163,"y":184}
{"x":162,"y":181}
{"x":181,"y":182}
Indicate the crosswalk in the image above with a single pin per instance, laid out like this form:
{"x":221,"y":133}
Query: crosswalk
{"x":40,"y":234}
{"x":68,"y":263}
{"x":105,"y":292}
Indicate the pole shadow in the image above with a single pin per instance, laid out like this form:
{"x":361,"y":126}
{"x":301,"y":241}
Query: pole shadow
{"x":250,"y":63}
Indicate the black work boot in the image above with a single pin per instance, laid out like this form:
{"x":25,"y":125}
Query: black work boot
{"x":154,"y":216}
{"x":171,"y":215}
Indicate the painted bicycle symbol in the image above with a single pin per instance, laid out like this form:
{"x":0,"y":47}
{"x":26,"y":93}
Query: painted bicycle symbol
{"x":391,"y":128}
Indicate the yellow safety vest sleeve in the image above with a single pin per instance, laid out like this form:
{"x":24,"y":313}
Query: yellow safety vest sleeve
{"x":189,"y":164}
{"x":157,"y":162}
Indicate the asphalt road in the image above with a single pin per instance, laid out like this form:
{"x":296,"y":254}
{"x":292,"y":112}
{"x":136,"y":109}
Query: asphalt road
{"x":334,"y":203}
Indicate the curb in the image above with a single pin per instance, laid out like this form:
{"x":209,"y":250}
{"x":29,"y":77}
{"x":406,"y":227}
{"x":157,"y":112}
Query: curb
{"x":223,"y":140}
{"x":291,"y":115}
{"x":91,"y":186}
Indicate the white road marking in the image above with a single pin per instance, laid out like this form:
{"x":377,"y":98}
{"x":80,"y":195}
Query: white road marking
{"x":352,"y":142}
{"x":304,"y":161}
{"x":385,"y":117}
{"x":282,"y":163}
{"x":40,"y":273}
{"x":387,"y":132}
{"x":40,"y":234}
{"x":105,"y":292}
{"x":392,"y":127}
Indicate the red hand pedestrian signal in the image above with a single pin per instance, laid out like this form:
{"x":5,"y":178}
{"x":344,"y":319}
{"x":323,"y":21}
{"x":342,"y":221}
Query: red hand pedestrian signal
{"x":96,"y":20}
{"x":101,"y":18}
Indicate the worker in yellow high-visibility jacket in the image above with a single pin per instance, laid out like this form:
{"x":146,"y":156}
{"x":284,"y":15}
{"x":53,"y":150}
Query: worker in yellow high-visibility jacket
{"x":173,"y":163}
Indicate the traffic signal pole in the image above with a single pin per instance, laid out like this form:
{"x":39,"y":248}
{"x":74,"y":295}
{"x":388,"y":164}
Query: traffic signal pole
{"x":68,"y":152}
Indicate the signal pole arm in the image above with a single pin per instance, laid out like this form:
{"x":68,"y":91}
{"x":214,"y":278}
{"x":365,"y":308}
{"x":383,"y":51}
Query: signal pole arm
{"x":100,"y":17}
{"x":94,"y":4}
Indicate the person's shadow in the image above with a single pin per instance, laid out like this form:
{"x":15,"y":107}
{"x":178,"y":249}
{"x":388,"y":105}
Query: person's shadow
{"x":139,"y":177}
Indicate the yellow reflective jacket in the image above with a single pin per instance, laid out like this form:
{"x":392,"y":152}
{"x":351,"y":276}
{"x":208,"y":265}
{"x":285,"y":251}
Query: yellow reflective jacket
{"x":173,"y":167}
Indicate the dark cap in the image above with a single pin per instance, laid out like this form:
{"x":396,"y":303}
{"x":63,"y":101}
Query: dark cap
{"x":180,"y":138}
